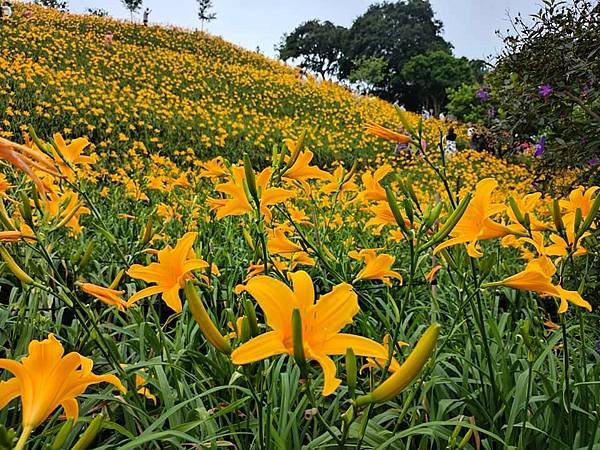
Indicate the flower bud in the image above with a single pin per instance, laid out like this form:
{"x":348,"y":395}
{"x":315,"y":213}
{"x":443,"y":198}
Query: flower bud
{"x":14,"y":267}
{"x":4,"y":218}
{"x":251,"y":317}
{"x":208,"y":328}
{"x":591,"y":216}
{"x":62,"y":435}
{"x":298,"y":342}
{"x":407,"y":372}
{"x":391,"y":199}
{"x":87,"y":438}
{"x":85,"y":259}
{"x":350,"y":362}
{"x":556,"y":217}
{"x":148,"y":230}
{"x":250,"y":179}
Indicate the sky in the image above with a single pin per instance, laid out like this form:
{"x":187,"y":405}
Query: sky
{"x":468,"y":24}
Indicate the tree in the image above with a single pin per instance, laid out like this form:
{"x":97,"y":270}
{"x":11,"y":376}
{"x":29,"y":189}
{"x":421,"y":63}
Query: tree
{"x":61,"y":6}
{"x":317,"y":45}
{"x":395,"y":31}
{"x":467,"y":106}
{"x":368,"y":72}
{"x":99,"y":12}
{"x":133,"y":6}
{"x":204,"y":15}
{"x":434,"y":73}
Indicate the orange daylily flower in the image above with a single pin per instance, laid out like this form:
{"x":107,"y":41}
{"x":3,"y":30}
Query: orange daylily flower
{"x":579,"y":199}
{"x":278,"y":243}
{"x":476,"y":223}
{"x":71,"y":154}
{"x":173,"y":269}
{"x":321,"y":324}
{"x":238,"y":202}
{"x":301,"y":170}
{"x":45,"y":380}
{"x":386,"y":133}
{"x":377,"y":267}
{"x":371,"y":184}
{"x":27,"y":159}
{"x":213,"y":168}
{"x":537,"y":277}
{"x":108,"y":296}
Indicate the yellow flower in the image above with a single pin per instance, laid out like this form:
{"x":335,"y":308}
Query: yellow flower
{"x":386,"y":133}
{"x":372,"y":189}
{"x":321,"y":324}
{"x":213,"y":168}
{"x":71,"y":154}
{"x":301,"y":170}
{"x":377,"y":267}
{"x":26,"y":160}
{"x":476,"y":223}
{"x":239,"y":204}
{"x":170,"y":273}
{"x":278,"y":243}
{"x":108,"y":296}
{"x":537,"y":277}
{"x":579,"y":199}
{"x":46,"y":380}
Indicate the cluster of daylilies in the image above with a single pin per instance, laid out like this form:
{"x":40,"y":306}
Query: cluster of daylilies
{"x":546,"y":232}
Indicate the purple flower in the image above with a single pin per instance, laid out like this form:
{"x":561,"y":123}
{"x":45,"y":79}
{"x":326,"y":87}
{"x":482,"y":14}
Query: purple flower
{"x":482,"y":95}
{"x":545,"y":90}
{"x":598,"y":347}
{"x":491,"y":112}
{"x":540,"y":147}
{"x":593,"y":163}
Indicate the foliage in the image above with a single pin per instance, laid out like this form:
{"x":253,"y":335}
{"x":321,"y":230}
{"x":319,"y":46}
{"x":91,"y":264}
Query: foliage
{"x":227,"y":100}
{"x":204,"y":14}
{"x":369,"y":72}
{"x":318,"y":46}
{"x":133,"y":5}
{"x":465,"y":105}
{"x":129,"y":206}
{"x":546,"y":84}
{"x":432,"y":74}
{"x":396,"y":31}
{"x":56,"y":4}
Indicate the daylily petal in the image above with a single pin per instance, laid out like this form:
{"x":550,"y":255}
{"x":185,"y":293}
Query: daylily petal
{"x":336,"y":309}
{"x":361,"y":346}
{"x":330,"y":382}
{"x":275,"y":298}
{"x":260,"y":347}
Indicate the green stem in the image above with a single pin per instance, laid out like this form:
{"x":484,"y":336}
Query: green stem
{"x":23,"y":438}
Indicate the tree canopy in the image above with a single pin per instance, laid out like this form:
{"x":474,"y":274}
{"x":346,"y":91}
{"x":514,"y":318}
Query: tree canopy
{"x":374,"y":51}
{"x":432,"y":74}
{"x":318,"y":46}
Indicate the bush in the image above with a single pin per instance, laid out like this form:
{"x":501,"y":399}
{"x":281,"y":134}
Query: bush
{"x":546,"y":85}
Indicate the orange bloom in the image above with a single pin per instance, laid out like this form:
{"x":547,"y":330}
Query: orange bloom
{"x":108,"y":296}
{"x":377,"y":267}
{"x":476,"y":223}
{"x":386,"y":133}
{"x":173,"y":269}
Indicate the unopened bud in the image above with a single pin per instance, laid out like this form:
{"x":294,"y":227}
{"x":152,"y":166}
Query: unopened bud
{"x":90,"y":434}
{"x":407,"y":372}
{"x":208,"y":328}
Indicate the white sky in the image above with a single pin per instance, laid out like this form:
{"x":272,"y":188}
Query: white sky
{"x":468,"y":24}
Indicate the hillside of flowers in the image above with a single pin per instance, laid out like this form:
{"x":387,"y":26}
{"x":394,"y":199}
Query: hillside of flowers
{"x":203,"y":248}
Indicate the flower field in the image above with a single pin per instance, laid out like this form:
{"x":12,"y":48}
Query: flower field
{"x":202,"y":248}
